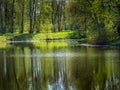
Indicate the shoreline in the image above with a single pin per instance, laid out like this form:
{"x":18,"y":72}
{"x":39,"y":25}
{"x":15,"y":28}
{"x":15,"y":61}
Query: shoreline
{"x":71,"y":42}
{"x":52,"y":37}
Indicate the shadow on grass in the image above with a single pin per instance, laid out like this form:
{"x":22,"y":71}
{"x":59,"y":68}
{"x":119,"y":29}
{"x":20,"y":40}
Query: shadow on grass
{"x":23,"y":37}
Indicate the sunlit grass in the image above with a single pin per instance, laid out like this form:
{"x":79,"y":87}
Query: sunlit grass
{"x":7,"y":36}
{"x":56,"y":35}
{"x":3,"y":38}
{"x":35,"y":36}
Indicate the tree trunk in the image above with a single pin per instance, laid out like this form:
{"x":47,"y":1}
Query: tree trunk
{"x":59,"y":16}
{"x":6,"y":16}
{"x":12,"y":18}
{"x":31,"y":16}
{"x":22,"y":22}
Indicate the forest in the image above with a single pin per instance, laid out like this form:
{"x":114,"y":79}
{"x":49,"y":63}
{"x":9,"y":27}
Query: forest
{"x":59,"y":44}
{"x":96,"y":21}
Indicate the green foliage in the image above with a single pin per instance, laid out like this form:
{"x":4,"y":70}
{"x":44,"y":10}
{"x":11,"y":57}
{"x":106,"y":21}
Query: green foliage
{"x":116,"y":42}
{"x":83,"y":40}
{"x":96,"y":20}
{"x":75,"y":35}
{"x":97,"y":38}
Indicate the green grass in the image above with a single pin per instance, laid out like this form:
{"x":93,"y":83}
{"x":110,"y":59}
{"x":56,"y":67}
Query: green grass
{"x":3,"y":38}
{"x":51,"y":36}
{"x":45,"y":36}
{"x":7,"y":36}
{"x":35,"y":36}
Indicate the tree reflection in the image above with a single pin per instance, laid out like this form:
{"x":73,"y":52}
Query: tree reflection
{"x":31,"y":68}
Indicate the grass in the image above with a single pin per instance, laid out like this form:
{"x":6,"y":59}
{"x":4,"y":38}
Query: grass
{"x":7,"y":36}
{"x":3,"y":38}
{"x":44,"y":36}
{"x":35,"y":36}
{"x":51,"y":36}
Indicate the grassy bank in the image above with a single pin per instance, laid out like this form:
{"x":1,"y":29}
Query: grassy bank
{"x":35,"y":36}
{"x":46,"y":36}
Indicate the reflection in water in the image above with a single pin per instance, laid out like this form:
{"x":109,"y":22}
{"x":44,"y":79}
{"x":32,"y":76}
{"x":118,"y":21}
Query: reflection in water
{"x":59,"y":68}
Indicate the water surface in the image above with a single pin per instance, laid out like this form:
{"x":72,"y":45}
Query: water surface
{"x":58,"y":66}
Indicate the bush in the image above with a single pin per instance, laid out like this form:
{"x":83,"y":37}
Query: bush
{"x":76,"y":35}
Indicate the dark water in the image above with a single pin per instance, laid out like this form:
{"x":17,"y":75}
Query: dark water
{"x":58,"y":66}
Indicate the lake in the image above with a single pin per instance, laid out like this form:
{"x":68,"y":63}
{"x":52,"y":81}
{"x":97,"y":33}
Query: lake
{"x":58,"y":65}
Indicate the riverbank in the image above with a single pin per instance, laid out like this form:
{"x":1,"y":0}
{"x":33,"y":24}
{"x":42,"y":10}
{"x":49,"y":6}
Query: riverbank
{"x":47,"y":36}
{"x":84,"y":42}
{"x":35,"y":36}
{"x":116,"y":42}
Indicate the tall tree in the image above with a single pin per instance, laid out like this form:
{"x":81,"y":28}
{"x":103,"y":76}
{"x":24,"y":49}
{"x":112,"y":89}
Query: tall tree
{"x":54,"y":14}
{"x":2,"y":8}
{"x":31,"y":16}
{"x":23,"y":12}
{"x":12,"y":16}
